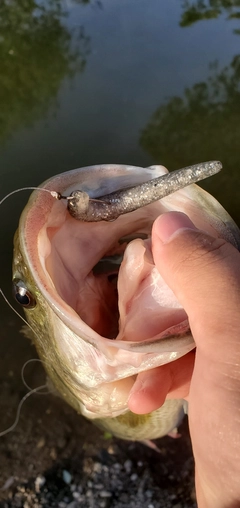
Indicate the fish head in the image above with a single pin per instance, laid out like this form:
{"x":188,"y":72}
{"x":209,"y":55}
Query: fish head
{"x":99,"y":310}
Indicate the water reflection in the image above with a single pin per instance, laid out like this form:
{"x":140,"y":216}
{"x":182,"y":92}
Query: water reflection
{"x":202,"y":125}
{"x":201,"y":10}
{"x":70,"y":3}
{"x":36,"y":53}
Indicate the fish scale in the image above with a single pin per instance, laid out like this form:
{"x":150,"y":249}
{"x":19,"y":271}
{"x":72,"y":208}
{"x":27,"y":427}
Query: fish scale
{"x":54,"y":258}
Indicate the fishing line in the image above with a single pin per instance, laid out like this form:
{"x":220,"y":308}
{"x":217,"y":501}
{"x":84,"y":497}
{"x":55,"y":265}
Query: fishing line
{"x":16,"y":312}
{"x":23,"y":369}
{"x":23,"y":378}
{"x":57,"y":196}
{"x":13,"y":426}
{"x":54,"y":194}
{"x":32,"y":390}
{"x":35,"y":333}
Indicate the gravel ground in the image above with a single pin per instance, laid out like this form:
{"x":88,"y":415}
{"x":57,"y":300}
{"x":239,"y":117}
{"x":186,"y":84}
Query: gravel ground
{"x":56,"y":458}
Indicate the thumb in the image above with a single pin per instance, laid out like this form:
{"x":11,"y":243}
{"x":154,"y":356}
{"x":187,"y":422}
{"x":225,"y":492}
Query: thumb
{"x":204,"y":274}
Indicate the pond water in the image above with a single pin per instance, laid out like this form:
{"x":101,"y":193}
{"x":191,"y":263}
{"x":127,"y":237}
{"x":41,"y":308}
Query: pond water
{"x":123,"y":81}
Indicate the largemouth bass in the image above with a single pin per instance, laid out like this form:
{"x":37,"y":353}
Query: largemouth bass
{"x":99,"y":309}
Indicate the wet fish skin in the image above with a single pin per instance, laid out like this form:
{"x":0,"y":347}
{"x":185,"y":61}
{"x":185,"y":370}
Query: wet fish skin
{"x":127,"y":426}
{"x":67,"y":354}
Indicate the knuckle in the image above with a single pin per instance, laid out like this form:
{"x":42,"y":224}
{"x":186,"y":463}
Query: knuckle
{"x":202,"y":256}
{"x":202,"y":250}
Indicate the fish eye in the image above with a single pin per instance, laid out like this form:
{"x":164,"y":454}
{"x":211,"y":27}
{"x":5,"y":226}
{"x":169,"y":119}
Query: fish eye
{"x":23,"y":295}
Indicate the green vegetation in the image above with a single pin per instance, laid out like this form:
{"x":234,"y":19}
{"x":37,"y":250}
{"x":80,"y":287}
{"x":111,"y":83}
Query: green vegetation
{"x":36,"y":53}
{"x":202,"y":10}
{"x":202,"y":125}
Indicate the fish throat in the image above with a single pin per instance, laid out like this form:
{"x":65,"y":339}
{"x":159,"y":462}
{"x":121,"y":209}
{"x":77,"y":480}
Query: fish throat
{"x":105,"y":271}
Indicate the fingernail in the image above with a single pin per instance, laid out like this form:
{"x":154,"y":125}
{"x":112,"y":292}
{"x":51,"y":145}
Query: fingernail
{"x":167,"y":224}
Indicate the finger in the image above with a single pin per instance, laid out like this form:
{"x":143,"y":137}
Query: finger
{"x":152,"y":387}
{"x":204,"y":274}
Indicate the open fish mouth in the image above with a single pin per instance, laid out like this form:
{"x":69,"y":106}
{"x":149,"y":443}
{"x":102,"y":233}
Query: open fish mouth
{"x":106,"y":276}
{"x":105,"y":312}
{"x":104,"y":271}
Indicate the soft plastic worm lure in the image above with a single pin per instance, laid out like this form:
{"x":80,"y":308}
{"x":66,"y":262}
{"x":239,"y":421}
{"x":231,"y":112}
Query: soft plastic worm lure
{"x":111,"y":206}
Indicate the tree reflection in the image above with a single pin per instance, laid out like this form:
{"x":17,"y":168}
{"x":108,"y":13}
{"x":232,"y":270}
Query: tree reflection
{"x":200,"y":9}
{"x":201,"y":126}
{"x":36,"y":53}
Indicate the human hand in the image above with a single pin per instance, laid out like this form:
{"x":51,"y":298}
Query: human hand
{"x":204,"y":274}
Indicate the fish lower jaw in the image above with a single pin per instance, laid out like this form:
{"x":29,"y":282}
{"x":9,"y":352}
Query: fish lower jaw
{"x":107,"y":413}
